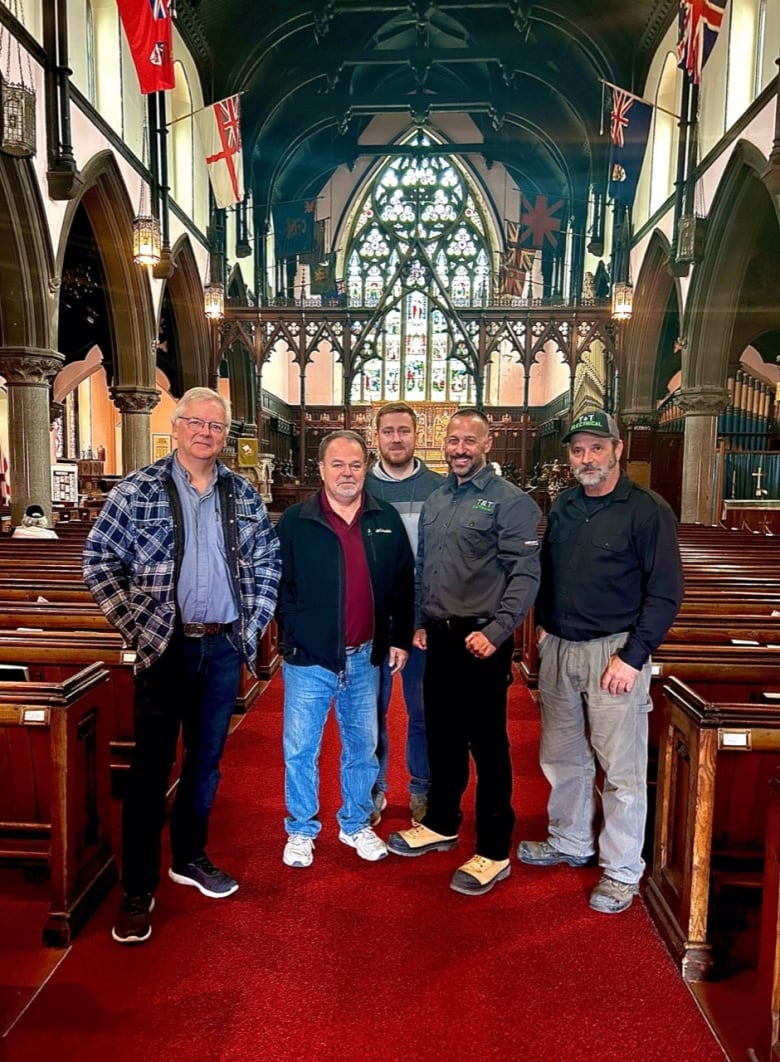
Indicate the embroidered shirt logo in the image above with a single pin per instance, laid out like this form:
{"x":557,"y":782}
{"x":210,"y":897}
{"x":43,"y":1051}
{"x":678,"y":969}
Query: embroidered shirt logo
{"x":484,"y":506}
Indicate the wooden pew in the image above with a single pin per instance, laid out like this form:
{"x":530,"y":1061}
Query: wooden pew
{"x":55,"y":656}
{"x":719,"y":735}
{"x":54,"y":791}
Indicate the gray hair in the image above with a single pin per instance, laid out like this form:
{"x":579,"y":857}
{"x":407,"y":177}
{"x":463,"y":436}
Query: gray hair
{"x":202,"y":394}
{"x":343,"y":433}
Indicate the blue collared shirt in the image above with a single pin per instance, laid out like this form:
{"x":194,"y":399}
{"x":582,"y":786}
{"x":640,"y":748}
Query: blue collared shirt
{"x":204,"y":591}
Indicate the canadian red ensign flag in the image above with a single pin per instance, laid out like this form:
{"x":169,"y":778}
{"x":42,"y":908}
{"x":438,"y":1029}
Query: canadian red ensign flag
{"x":219,"y":129}
{"x":149,"y":31}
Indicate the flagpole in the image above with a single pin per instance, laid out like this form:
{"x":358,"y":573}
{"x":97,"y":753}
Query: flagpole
{"x":191,"y":114}
{"x":641,"y":99}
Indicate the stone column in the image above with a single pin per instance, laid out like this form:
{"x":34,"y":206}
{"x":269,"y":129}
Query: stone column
{"x":28,"y":373}
{"x":701,"y":406}
{"x":135,"y":404}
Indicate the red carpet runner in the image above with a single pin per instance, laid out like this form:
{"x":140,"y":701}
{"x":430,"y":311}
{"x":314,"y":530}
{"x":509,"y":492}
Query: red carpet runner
{"x":355,"y":961}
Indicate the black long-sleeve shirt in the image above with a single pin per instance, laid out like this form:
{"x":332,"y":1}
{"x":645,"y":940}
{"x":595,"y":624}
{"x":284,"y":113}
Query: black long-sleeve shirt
{"x":611,"y":564}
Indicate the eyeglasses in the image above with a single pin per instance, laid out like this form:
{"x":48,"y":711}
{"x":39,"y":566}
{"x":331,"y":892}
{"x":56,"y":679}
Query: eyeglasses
{"x":198,"y":424}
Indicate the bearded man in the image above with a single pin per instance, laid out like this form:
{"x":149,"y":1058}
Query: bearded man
{"x":611,"y":587}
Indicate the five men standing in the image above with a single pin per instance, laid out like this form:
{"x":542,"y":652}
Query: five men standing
{"x":184,"y":562}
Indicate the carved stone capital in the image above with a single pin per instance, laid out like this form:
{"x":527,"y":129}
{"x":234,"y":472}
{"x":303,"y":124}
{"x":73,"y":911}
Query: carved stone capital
{"x":30,"y":365}
{"x":134,"y":399}
{"x":703,"y":401}
{"x":639,"y":418}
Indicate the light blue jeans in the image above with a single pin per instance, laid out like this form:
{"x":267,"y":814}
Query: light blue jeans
{"x":308,"y":695}
{"x":583,"y":724}
{"x":416,"y":744}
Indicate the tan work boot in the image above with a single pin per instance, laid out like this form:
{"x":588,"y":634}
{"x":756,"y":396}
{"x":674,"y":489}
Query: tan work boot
{"x":419,"y":840}
{"x":479,"y":875}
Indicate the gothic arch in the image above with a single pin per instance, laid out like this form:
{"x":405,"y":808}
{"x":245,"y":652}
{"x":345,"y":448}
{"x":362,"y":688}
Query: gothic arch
{"x":657,"y":296}
{"x":27,"y":306}
{"x":737,"y":220}
{"x":128,"y":295}
{"x":195,"y":367}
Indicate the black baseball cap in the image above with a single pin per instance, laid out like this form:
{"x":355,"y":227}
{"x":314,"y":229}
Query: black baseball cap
{"x":33,"y":510}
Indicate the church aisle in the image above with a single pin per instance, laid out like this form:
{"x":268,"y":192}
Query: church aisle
{"x":349,"y":960}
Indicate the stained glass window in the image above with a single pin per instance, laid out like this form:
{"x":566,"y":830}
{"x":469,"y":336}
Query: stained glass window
{"x":419,"y":232}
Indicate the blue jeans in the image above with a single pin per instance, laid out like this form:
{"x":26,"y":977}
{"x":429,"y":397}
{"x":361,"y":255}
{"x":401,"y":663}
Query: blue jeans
{"x":308,"y":695}
{"x":416,"y":743}
{"x":192,"y":687}
{"x":583,"y":724}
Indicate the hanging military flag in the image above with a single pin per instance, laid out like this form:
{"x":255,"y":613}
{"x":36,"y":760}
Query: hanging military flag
{"x":318,"y":250}
{"x":516,"y":264}
{"x":323,"y":275}
{"x":698,"y":27}
{"x":219,"y":130}
{"x":539,"y":222}
{"x":294,"y":228}
{"x":629,"y":130}
{"x":149,"y":30}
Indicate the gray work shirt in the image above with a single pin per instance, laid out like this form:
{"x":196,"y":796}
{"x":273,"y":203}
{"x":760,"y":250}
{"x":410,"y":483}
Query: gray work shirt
{"x":204,"y":590}
{"x":478,"y":554}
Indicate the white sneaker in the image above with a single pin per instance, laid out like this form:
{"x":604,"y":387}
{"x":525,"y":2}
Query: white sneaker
{"x":299,"y":851}
{"x":366,"y":844}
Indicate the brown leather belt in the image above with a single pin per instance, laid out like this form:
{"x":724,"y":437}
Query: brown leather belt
{"x":204,"y":630}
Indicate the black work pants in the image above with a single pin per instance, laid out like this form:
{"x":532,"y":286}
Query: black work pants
{"x":465,"y":712}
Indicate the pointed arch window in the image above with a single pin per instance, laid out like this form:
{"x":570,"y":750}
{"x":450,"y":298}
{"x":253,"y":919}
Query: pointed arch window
{"x":418,"y":246}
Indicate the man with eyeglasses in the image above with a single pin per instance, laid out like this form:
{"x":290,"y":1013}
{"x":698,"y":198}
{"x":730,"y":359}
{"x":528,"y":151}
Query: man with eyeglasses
{"x":184,"y":562}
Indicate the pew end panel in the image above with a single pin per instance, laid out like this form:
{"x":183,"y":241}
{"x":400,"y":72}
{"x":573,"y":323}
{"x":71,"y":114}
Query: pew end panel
{"x":714,"y":757}
{"x":60,"y":792}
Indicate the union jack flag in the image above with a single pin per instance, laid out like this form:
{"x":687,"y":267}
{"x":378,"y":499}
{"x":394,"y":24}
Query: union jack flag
{"x":622,"y":102}
{"x":629,"y":129}
{"x":699,"y":25}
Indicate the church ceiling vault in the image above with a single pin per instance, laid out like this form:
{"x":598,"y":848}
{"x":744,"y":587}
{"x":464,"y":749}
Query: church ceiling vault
{"x":529,"y":75}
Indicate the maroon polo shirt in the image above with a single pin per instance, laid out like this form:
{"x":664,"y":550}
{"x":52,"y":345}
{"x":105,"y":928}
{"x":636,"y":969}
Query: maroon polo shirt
{"x":357,"y":591}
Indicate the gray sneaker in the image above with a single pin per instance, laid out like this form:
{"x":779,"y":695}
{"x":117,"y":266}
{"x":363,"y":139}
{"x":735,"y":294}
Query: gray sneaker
{"x":612,"y":897}
{"x":543,"y":854}
{"x":205,"y":877}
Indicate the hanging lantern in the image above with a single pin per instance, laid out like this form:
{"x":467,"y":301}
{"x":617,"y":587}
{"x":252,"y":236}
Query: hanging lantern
{"x":691,"y":238}
{"x":622,"y":301}
{"x":17,"y":97}
{"x":146,"y":227}
{"x":146,"y":240}
{"x":214,"y":300}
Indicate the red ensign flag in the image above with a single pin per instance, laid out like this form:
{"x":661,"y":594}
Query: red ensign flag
{"x":149,"y":31}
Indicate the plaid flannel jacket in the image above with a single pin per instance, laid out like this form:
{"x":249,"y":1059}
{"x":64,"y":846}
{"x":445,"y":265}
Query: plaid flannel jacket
{"x":133,"y":554}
